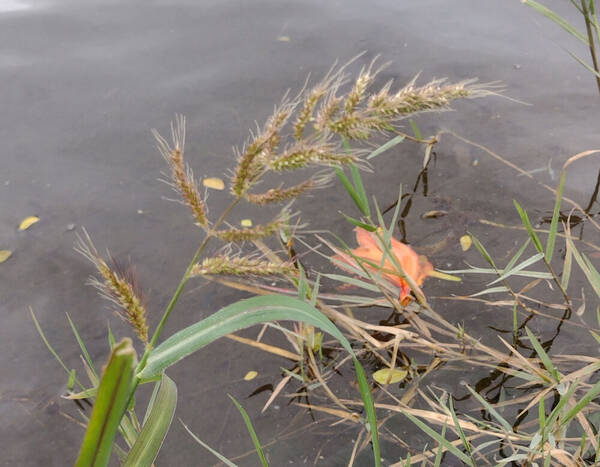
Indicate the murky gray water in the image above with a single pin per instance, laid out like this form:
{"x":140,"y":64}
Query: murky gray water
{"x":82,"y":83}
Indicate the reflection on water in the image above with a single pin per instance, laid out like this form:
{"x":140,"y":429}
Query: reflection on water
{"x":7,"y":6}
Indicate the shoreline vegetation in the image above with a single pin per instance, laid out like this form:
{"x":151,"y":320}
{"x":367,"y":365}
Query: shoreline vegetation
{"x":322,"y":136}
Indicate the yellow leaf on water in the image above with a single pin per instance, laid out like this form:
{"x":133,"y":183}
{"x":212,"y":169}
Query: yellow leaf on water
{"x":250,"y":375}
{"x":246,"y":222}
{"x":4,"y":255}
{"x":387,"y":376}
{"x":465,"y":242}
{"x":283,"y":38}
{"x":434,"y":214}
{"x":28,"y":222}
{"x":214,"y":183}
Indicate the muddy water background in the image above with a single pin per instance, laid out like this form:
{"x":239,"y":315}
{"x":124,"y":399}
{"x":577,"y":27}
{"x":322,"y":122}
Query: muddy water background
{"x":82,"y":84}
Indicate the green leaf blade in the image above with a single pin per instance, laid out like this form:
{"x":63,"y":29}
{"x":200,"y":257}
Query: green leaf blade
{"x":111,"y":401}
{"x":155,"y":428}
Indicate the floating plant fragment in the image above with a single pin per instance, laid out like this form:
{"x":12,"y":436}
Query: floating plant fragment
{"x":465,"y":242}
{"x":28,"y":222}
{"x":371,"y":254}
{"x":214,"y":183}
{"x":4,"y":255}
{"x":250,"y":375}
{"x":389,"y":376}
{"x":246,"y":222}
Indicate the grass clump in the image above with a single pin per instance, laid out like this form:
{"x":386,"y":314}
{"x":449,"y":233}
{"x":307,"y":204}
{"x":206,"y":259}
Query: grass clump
{"x":324,"y":127}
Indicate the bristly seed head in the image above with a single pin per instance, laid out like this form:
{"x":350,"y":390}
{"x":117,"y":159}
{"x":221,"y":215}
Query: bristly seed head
{"x":118,"y":285}
{"x":241,"y":266}
{"x":181,"y":176}
{"x":257,"y":232}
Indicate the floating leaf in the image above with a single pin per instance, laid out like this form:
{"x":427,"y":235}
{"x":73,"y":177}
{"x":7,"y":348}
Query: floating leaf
{"x":246,"y":222}
{"x":28,"y":222}
{"x":250,"y":375}
{"x":387,"y":376}
{"x":214,"y":183}
{"x":283,"y":38}
{"x":4,"y":255}
{"x":434,"y":214}
{"x":465,"y":242}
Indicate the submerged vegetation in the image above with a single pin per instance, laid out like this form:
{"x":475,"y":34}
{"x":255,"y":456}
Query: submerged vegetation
{"x":551,"y":416}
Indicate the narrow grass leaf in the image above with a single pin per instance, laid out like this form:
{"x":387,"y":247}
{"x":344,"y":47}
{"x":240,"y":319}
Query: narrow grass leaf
{"x":509,"y":272}
{"x":559,"y":20}
{"x":396,"y":212}
{"x":584,"y":63}
{"x":528,"y":227}
{"x":501,"y":289}
{"x":590,"y":273}
{"x":357,"y":223}
{"x":384,"y":147}
{"x":367,"y":397}
{"x":51,"y":349}
{"x":543,"y":355}
{"x":460,"y":431}
{"x":352,"y":281}
{"x":440,"y":439}
{"x":252,"y":432}
{"x":415,"y":129}
{"x":217,"y":454}
{"x":351,"y":190}
{"x":440,"y":449}
{"x":482,"y":251}
{"x":155,"y":429}
{"x":517,"y":255}
{"x":82,"y":347}
{"x":555,"y":216}
{"x":151,"y":401}
{"x":583,"y":402}
{"x":493,"y":412}
{"x":360,"y":190}
{"x":566,"y":272}
{"x":561,"y":403}
{"x":110,"y":404}
{"x":111,"y":337}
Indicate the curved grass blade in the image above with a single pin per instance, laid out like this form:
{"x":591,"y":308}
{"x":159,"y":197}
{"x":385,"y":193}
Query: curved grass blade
{"x":555,"y":216}
{"x":559,"y":20}
{"x":528,"y":226}
{"x":507,"y":273}
{"x":246,"y":313}
{"x":111,"y":401}
{"x":360,"y":190}
{"x":440,"y":439}
{"x":252,"y":432}
{"x":234,"y":317}
{"x":153,"y":433}
{"x":384,"y":147}
{"x":217,"y":454}
{"x":543,"y":356}
{"x":83,"y":348}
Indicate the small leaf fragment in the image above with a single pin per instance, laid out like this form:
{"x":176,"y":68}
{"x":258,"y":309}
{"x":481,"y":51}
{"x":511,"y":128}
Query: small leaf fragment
{"x":28,"y":222}
{"x":246,"y":222}
{"x":387,"y":376}
{"x":4,"y":255}
{"x":214,"y":183}
{"x":283,"y":38}
{"x":465,"y":242}
{"x":250,"y":375}
{"x":434,"y":214}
